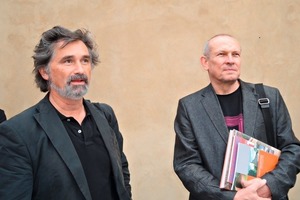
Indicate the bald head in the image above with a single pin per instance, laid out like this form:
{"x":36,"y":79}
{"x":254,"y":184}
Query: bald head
{"x":208,"y":45}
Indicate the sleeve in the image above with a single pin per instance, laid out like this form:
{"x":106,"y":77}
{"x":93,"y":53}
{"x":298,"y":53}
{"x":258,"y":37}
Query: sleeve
{"x":112,"y":120}
{"x":16,"y":177}
{"x":283,"y":177}
{"x":188,"y":164}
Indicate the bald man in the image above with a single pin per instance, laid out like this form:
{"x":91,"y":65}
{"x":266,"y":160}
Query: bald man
{"x":205,"y":117}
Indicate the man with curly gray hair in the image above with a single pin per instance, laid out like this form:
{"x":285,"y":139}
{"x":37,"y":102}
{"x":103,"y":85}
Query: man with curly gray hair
{"x":64,"y":147}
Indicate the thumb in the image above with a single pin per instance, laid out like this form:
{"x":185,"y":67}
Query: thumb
{"x":255,"y":183}
{"x":259,"y":184}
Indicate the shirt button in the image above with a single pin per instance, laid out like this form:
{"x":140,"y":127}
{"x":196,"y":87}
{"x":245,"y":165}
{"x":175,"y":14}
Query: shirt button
{"x":79,"y":131}
{"x":68,"y":120}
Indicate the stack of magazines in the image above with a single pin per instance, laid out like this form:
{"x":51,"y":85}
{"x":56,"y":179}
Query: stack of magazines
{"x":246,"y":158}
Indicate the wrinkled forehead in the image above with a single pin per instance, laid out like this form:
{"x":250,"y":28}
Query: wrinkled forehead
{"x":67,"y":49}
{"x":224,"y":42}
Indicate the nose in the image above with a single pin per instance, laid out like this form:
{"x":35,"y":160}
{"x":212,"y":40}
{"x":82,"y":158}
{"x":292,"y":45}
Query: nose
{"x":230,"y":59}
{"x":79,"y":67}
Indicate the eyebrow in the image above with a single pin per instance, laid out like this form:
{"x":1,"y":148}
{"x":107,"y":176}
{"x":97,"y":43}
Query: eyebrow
{"x":66,"y":57}
{"x":233,"y":51}
{"x":71,"y":56}
{"x":87,"y":56}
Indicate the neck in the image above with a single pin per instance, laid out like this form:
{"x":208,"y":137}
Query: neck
{"x":225,"y":87}
{"x":68,"y":107}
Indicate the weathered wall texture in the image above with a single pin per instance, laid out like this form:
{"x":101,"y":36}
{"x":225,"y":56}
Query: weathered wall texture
{"x":150,"y":53}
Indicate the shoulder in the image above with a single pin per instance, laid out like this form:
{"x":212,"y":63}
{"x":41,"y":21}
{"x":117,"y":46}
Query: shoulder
{"x":271,"y":89}
{"x":102,"y":108}
{"x":251,"y":86}
{"x":20,"y":126}
{"x":272,"y":93}
{"x":21,"y":120}
{"x":198,"y":95}
{"x":26,"y":116}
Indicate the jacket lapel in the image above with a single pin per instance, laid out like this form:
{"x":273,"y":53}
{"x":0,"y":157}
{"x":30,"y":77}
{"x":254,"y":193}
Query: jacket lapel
{"x":55,"y":130}
{"x":111,"y":144}
{"x":214,"y":111}
{"x":107,"y":135}
{"x":250,"y":108}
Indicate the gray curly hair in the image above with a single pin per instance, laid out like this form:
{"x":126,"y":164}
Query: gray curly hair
{"x":44,"y":50}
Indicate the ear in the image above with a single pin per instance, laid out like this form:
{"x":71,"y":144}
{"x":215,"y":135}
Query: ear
{"x":44,"y":73}
{"x":204,"y":62}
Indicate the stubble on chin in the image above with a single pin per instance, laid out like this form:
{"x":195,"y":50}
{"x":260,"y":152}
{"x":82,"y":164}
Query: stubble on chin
{"x":69,"y":91}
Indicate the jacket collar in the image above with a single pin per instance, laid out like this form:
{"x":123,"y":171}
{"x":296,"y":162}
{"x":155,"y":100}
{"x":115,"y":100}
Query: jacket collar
{"x":214,"y":111}
{"x":250,"y":107}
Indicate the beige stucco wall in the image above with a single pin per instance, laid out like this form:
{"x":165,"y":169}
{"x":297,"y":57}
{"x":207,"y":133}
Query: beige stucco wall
{"x":150,"y":58}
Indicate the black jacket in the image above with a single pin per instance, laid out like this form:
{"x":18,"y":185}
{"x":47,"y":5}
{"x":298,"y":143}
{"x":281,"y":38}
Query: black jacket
{"x":39,"y":161}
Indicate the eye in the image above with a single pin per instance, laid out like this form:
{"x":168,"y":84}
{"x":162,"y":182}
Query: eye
{"x":236,"y":54}
{"x":221,"y":54}
{"x":68,"y":61}
{"x":86,"y":60}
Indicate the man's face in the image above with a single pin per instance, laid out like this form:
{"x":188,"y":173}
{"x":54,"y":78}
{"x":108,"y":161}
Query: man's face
{"x":69,"y":70}
{"x":223,"y":62}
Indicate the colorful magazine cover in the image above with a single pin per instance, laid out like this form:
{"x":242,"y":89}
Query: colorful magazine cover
{"x":246,"y":157}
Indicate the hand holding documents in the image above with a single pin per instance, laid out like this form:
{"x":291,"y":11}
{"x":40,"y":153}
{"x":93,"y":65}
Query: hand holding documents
{"x":246,"y":158}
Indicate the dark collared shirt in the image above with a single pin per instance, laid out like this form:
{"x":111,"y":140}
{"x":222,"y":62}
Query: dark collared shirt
{"x":93,"y":155}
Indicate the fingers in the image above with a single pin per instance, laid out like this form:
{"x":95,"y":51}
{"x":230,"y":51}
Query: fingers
{"x":254,"y":183}
{"x":264,"y":191}
{"x":250,"y":190}
{"x":264,"y":198}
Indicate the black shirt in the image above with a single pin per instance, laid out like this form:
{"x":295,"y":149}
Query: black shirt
{"x":232,"y":108}
{"x":93,"y":155}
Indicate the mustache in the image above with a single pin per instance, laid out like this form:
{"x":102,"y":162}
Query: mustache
{"x":78,"y":77}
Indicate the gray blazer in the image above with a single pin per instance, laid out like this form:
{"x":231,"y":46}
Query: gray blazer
{"x":39,"y":161}
{"x":201,"y":139}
